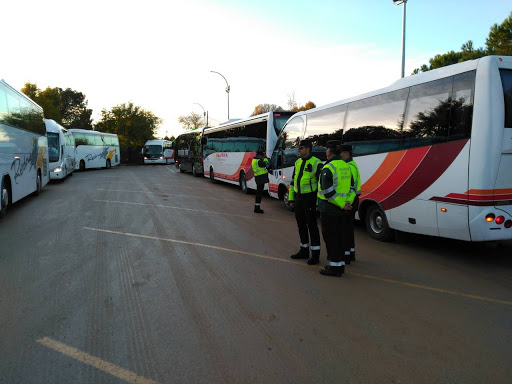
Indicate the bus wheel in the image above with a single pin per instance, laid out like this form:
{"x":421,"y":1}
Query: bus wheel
{"x":38,"y":184}
{"x":108,"y":164}
{"x":4,"y":198}
{"x":194,"y":171}
{"x":377,"y":224}
{"x":243,"y":183}
{"x":212,"y":176}
{"x":82,"y":165}
{"x":286,"y":202}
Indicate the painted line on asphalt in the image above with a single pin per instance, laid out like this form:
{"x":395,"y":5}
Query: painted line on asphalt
{"x":396,"y":282}
{"x":433,"y":289}
{"x":196,"y":210}
{"x":132,"y":183}
{"x":168,"y":194}
{"x":95,"y":362}
{"x":195,"y":244}
{"x":170,"y":169}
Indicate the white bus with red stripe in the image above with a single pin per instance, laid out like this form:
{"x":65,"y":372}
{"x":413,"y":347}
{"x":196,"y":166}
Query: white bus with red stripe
{"x":434,"y":151}
{"x":158,"y":152}
{"x":229,"y":148}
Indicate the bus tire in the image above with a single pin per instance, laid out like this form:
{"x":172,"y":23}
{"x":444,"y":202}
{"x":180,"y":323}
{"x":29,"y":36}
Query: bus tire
{"x":243,"y":183}
{"x":194,"y":171}
{"x":38,"y":184}
{"x":212,"y":176}
{"x":109,"y":164}
{"x":82,"y":165}
{"x":181,"y":170}
{"x":377,"y":224}
{"x":286,"y":202}
{"x":4,"y":197}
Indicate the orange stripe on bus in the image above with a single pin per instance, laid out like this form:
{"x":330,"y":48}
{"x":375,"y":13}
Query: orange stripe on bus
{"x":382,"y":173}
{"x":489,"y":191}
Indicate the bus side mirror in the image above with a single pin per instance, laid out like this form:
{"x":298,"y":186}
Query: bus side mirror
{"x":204,"y":140}
{"x":142,"y":151}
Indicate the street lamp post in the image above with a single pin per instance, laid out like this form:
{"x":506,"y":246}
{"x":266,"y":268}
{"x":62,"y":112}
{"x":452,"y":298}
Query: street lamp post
{"x":227,"y":88}
{"x":205,"y":114}
{"x":404,"y":2}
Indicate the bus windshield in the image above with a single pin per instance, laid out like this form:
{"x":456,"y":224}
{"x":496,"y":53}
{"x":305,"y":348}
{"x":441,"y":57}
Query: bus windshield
{"x":279,"y":121}
{"x":153,"y":150}
{"x":53,"y":147}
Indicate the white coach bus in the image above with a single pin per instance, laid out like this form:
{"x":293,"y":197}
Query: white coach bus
{"x":228,"y":149}
{"x":158,"y":152}
{"x":61,"y":150}
{"x":23,"y":147}
{"x":434,"y":151}
{"x":95,"y":149}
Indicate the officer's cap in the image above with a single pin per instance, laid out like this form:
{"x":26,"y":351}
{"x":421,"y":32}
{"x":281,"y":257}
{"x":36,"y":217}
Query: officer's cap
{"x":259,"y":153}
{"x":346,"y":148}
{"x":333,"y":144}
{"x":306,"y":144}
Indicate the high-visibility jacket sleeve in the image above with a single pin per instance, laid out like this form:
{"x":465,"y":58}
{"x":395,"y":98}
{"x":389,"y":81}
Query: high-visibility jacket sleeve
{"x":291,"y":191}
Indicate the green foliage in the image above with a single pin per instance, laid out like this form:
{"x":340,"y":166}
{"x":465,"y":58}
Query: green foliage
{"x":67,"y":107}
{"x":499,"y":42}
{"x":134,"y":125}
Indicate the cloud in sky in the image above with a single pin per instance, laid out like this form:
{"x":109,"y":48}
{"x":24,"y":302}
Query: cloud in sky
{"x":159,"y":55}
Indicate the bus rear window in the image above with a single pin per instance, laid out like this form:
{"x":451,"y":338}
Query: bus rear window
{"x":506,"y":80}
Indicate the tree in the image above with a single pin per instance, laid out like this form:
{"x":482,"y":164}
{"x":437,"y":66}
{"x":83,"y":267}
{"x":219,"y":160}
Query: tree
{"x":499,"y":41}
{"x":133,"y":125}
{"x":291,"y":101}
{"x":191,"y":121}
{"x":67,"y":107}
{"x":304,"y":107}
{"x":264,"y":108}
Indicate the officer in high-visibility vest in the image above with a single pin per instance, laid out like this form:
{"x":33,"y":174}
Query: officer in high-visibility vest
{"x":259,"y":167}
{"x":346,"y":156}
{"x":302,"y":195}
{"x":334,"y":202}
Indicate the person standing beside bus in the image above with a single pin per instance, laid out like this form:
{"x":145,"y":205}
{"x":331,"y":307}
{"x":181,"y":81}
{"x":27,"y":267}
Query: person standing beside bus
{"x":259,"y":166}
{"x":302,"y":195}
{"x":346,"y":156}
{"x":335,"y":199}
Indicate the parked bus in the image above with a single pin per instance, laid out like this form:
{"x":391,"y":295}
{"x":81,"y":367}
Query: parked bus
{"x":229,"y":148}
{"x":61,"y":150}
{"x":188,"y":152}
{"x":158,"y":152}
{"x":434,"y":151}
{"x":95,"y":149}
{"x":23,"y":147}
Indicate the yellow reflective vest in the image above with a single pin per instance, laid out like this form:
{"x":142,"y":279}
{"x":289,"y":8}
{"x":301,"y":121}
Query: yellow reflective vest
{"x":335,"y":184}
{"x":305,"y":179}
{"x":257,"y":169}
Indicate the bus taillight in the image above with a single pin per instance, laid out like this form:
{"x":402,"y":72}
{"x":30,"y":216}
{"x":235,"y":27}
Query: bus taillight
{"x":500,"y":220}
{"x":508,"y":223}
{"x":490,"y":217}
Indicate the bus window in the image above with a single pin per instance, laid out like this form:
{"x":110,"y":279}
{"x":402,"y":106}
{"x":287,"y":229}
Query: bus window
{"x":325,"y":125}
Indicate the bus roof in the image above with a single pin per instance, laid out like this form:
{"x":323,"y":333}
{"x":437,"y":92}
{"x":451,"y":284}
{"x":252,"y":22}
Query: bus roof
{"x":4,"y":83}
{"x":157,"y":142}
{"x":76,"y":130}
{"x":250,"y":119}
{"x":53,"y":126}
{"x":423,"y":77}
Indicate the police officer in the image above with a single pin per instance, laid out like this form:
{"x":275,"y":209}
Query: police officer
{"x":335,"y":199}
{"x":302,"y":195}
{"x":259,"y":166}
{"x":346,"y":156}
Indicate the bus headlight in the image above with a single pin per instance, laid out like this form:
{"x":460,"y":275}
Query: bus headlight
{"x":58,"y":169}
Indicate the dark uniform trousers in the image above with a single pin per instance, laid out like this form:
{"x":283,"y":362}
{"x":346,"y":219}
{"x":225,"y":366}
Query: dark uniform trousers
{"x":335,"y":229}
{"x":260,"y":188}
{"x":305,"y":214}
{"x":350,"y":225}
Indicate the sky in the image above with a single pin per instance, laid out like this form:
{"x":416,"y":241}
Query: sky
{"x":159,"y":54}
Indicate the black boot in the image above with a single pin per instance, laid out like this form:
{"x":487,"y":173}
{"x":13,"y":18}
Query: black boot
{"x":333,"y":271}
{"x":315,"y":257}
{"x":257,"y":209}
{"x":302,"y":254}
{"x":352,"y":255}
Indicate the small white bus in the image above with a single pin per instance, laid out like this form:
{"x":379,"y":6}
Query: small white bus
{"x":434,"y":151}
{"x":61,"y":150}
{"x":158,"y":152}
{"x":23,"y":147}
{"x":95,"y":149}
